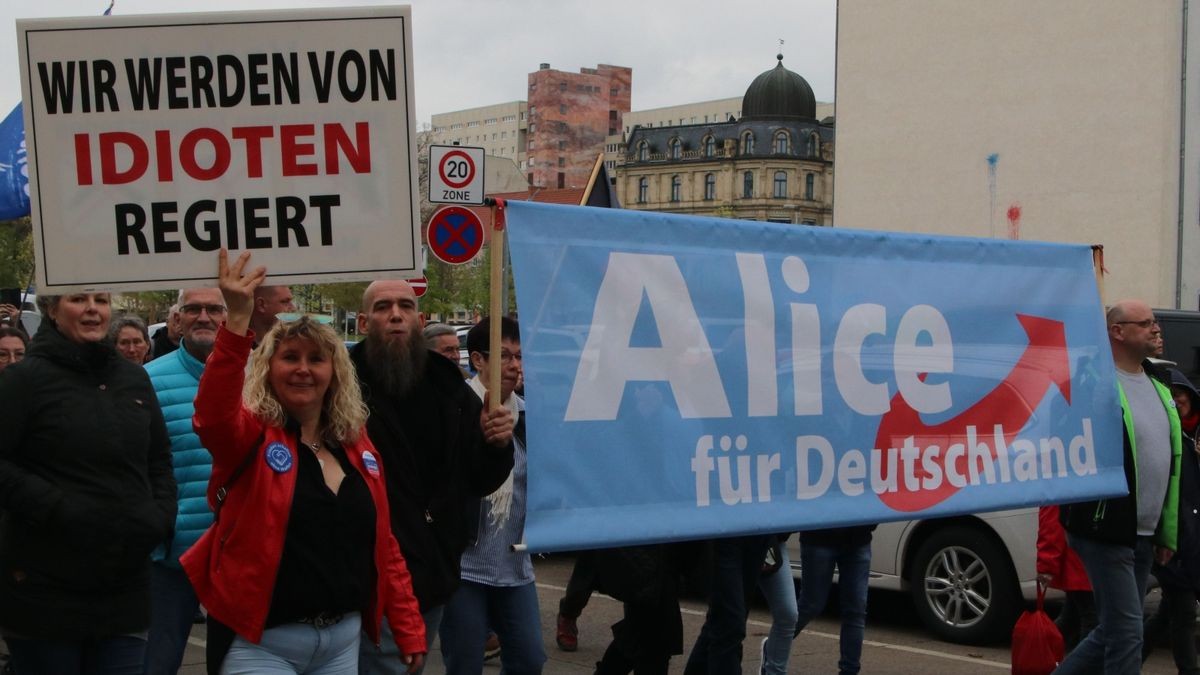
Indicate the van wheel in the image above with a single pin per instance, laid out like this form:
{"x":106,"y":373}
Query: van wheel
{"x":963,"y":586}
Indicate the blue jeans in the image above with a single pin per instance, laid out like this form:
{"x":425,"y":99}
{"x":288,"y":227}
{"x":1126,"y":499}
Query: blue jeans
{"x":173,"y":606}
{"x":385,"y":659}
{"x":120,"y":655}
{"x":511,"y":611}
{"x":736,"y":567}
{"x":780,"y":592}
{"x":1119,"y":576}
{"x":854,"y":566}
{"x":298,"y":648}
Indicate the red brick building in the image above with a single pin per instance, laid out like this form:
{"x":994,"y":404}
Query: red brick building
{"x":570,"y":114}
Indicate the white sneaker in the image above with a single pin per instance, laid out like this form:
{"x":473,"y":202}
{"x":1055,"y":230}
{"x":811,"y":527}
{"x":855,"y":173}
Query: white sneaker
{"x":762,"y":657}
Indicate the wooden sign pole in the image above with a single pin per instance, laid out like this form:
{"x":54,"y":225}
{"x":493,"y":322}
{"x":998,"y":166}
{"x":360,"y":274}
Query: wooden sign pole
{"x":496,"y":294}
{"x":1098,"y":269}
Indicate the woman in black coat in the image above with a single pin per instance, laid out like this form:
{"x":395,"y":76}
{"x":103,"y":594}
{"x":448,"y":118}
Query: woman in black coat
{"x":86,"y":493}
{"x":1180,"y":578}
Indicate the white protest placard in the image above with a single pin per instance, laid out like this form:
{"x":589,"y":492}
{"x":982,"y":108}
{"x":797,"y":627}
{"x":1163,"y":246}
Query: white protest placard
{"x":455,"y":174}
{"x":156,"y":139}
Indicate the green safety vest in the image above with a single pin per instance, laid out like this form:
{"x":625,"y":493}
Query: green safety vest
{"x":1167,"y":534}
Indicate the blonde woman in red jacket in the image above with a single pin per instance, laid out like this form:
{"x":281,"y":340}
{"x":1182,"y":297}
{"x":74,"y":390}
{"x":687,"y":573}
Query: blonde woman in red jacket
{"x":301,"y":559}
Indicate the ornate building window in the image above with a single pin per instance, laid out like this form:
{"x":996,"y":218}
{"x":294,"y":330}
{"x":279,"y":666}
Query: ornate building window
{"x":676,"y":188}
{"x":810,"y":182}
{"x":676,"y":148}
{"x":748,"y":185}
{"x":780,"y":185}
{"x":643,"y":152}
{"x":814,"y":146}
{"x":748,"y":143}
{"x":710,"y":187}
{"x":710,"y":146}
{"x":781,"y":143}
{"x":643,"y":190}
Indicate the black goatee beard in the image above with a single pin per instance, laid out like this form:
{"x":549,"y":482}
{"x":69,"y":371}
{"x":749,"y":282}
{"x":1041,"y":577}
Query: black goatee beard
{"x":396,"y":364}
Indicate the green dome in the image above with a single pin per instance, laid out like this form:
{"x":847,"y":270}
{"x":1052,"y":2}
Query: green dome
{"x":779,"y":93}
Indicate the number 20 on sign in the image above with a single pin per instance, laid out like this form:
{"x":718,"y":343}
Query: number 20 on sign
{"x":455,"y":174}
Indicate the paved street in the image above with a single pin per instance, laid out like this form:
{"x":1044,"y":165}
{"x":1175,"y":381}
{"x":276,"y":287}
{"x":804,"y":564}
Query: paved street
{"x":895,"y":643}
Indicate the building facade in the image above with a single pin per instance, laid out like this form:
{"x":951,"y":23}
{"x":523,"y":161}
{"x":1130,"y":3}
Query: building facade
{"x":499,"y":129}
{"x":773,"y":163}
{"x":701,"y":112}
{"x":570,"y":116}
{"x":1031,"y":143}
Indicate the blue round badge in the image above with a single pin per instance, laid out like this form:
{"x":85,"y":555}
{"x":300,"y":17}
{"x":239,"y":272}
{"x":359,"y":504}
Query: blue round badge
{"x":370,"y":462}
{"x":278,"y":457}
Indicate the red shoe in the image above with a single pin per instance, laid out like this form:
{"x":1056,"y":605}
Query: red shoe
{"x":491,"y":648}
{"x":568,"y":634}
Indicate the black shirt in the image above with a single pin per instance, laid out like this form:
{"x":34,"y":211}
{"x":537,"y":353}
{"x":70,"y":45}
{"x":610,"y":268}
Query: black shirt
{"x":328,"y":562}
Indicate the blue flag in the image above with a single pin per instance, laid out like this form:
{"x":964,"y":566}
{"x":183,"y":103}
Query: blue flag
{"x":14,"y":172}
{"x":692,"y":377}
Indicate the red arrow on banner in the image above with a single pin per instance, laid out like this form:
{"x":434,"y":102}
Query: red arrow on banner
{"x":1043,"y":364}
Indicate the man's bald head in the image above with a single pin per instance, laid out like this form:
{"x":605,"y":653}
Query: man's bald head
{"x":394,"y":340}
{"x":1123,"y":309}
{"x":389,"y":310}
{"x":270,"y":301}
{"x":1133,"y":333}
{"x":398,"y":286}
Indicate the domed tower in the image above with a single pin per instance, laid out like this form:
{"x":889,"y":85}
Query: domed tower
{"x":779,"y":94}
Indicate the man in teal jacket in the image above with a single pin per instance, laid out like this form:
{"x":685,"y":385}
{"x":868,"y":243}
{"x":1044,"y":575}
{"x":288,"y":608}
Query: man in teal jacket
{"x":1118,"y":538}
{"x":176,"y":377}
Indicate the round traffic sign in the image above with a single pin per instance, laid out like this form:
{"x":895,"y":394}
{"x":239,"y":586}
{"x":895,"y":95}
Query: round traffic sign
{"x":419,"y":285}
{"x":456,"y":169}
{"x":455,"y":234}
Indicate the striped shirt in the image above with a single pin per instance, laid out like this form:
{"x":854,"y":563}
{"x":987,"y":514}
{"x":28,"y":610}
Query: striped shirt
{"x":491,"y":560}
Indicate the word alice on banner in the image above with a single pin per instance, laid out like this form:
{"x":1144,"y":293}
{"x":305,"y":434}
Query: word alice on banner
{"x":695,"y":377}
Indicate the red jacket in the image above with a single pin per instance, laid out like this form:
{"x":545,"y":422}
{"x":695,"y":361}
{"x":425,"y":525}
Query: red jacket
{"x":1055,"y":558}
{"x":234,"y":564}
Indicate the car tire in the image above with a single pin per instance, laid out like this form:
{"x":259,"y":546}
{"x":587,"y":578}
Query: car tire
{"x":963,"y":586}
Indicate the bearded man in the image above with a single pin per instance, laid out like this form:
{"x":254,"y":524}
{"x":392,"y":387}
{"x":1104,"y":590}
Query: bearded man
{"x":441,"y":451}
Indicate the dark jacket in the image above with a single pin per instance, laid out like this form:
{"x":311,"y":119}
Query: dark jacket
{"x":86,"y":489}
{"x":1184,"y":567}
{"x":434,"y":513}
{"x":1114,"y":520}
{"x":160,"y":343}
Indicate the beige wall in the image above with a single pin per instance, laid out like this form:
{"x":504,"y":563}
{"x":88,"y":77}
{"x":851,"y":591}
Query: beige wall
{"x":1079,"y":99}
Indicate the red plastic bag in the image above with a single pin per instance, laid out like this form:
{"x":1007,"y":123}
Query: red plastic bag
{"x":1037,"y":646}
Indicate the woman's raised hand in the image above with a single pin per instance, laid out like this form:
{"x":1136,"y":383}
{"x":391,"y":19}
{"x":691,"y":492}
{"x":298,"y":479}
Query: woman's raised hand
{"x":237,"y":287}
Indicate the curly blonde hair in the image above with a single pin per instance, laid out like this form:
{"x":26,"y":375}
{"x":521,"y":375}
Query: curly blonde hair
{"x":343,"y":412}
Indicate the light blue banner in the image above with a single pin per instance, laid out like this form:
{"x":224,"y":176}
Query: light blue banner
{"x":14,"y":176}
{"x":690,"y":377}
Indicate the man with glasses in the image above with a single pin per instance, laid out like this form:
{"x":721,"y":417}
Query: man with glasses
{"x":1117,"y":539}
{"x":175,"y":378}
{"x":269,"y":303}
{"x":497,"y":589}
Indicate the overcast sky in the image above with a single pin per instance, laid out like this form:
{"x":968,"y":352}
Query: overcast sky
{"x":468,"y":53}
